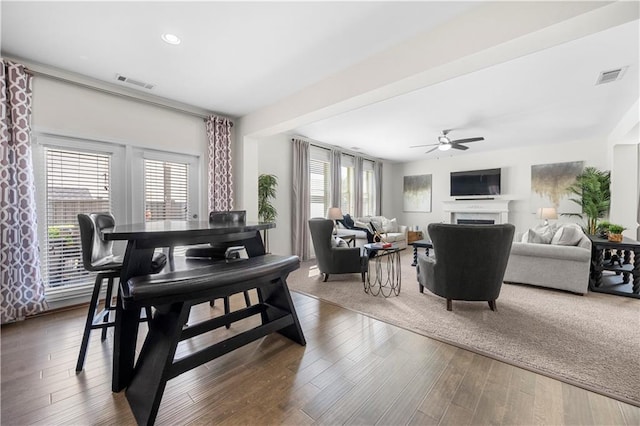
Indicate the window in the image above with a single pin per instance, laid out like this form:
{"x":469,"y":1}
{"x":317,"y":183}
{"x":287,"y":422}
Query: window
{"x":76,"y":175}
{"x":368,"y":189}
{"x":348,"y":184}
{"x":166,"y":190}
{"x":76,"y":182}
{"x":320,"y":181}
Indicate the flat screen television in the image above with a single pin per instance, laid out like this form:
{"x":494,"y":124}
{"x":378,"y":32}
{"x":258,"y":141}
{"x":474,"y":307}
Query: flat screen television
{"x":475,"y":182}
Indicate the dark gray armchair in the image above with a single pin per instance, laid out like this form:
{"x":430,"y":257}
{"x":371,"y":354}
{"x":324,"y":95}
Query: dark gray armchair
{"x":335,"y":260}
{"x":469,"y":263}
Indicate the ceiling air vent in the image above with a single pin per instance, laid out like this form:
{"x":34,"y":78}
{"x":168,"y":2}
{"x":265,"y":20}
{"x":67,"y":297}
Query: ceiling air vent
{"x":138,"y":83}
{"x":609,"y":76}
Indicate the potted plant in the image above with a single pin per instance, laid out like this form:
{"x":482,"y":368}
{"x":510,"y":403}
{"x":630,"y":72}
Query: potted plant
{"x":266,"y":211}
{"x":592,"y":193}
{"x":615,"y":232}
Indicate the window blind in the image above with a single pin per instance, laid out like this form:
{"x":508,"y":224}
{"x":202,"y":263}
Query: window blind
{"x":76,"y":182}
{"x":320,"y":190}
{"x":166,"y":190}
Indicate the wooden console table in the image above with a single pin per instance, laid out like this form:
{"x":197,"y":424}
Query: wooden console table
{"x":620,"y":264}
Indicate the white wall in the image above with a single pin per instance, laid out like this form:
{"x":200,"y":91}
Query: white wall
{"x":275,"y":158}
{"x":67,"y":108}
{"x":516,"y":178}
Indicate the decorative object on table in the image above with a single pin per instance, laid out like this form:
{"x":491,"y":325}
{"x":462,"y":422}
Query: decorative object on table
{"x":417,"y":193}
{"x":547,"y":213}
{"x":550,"y":185}
{"x":615,"y":233}
{"x":602,"y":229}
{"x":469,"y":263}
{"x":592,"y":193}
{"x":335,"y":214}
{"x":266,"y":211}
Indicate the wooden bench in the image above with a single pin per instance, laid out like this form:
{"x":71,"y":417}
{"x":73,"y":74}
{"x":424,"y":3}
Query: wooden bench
{"x":173,"y":294}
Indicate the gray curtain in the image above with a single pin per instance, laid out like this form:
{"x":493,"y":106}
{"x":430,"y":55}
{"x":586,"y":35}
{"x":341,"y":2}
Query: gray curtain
{"x":300,"y":237}
{"x":336,"y":178}
{"x":377,"y":174}
{"x":219,"y":170}
{"x":358,"y":190}
{"x":22,"y":291}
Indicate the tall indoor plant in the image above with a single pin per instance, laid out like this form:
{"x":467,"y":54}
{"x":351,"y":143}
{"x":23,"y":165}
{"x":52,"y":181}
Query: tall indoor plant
{"x":592,"y":192}
{"x":266,"y":192}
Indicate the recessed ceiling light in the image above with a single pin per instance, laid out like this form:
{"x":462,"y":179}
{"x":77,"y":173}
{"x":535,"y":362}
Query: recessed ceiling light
{"x":171,"y":38}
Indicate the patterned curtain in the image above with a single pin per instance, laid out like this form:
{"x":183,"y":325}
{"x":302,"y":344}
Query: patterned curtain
{"x":220,"y":176}
{"x":22,"y":291}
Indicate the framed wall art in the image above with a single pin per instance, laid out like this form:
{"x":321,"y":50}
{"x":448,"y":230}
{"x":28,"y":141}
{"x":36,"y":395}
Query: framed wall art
{"x":417,"y":193}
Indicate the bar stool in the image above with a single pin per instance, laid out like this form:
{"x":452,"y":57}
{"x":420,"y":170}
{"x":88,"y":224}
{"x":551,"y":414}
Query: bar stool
{"x":97,"y":256}
{"x":222,"y":251}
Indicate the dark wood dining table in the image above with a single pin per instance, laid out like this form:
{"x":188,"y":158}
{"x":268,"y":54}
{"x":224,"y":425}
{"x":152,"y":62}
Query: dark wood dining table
{"x":142,"y":240}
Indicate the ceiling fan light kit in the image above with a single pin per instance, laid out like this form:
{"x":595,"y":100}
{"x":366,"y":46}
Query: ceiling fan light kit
{"x":445,"y":144}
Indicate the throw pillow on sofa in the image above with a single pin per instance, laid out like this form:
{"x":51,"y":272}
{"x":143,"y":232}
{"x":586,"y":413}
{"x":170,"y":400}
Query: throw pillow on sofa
{"x":347,"y":221}
{"x":539,"y":235}
{"x":567,"y":235}
{"x":389,"y":225}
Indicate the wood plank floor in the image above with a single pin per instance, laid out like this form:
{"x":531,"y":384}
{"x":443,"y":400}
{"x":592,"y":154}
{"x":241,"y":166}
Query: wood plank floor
{"x":354,"y":370}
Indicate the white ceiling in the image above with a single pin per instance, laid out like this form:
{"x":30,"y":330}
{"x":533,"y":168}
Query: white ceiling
{"x":238,"y":57}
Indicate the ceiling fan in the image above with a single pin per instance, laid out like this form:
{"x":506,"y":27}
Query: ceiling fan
{"x":444,"y":143}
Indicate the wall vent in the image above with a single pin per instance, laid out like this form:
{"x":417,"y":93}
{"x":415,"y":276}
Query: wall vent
{"x":138,"y":83}
{"x":609,"y":76}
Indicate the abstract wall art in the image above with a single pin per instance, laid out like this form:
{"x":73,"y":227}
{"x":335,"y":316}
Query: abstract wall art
{"x":549,"y":183}
{"x":417,"y":193}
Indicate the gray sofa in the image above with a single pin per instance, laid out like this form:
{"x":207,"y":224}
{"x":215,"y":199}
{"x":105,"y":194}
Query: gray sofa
{"x":561,"y":263}
{"x":389,"y":230}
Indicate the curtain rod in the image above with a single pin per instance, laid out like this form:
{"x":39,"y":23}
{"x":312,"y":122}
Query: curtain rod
{"x":329,"y":147}
{"x":117,"y":94}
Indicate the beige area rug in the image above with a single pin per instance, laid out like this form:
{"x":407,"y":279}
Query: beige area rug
{"x":591,"y":341}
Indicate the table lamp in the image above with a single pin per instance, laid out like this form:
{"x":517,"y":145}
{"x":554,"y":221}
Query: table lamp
{"x":547,"y":213}
{"x":334,"y":213}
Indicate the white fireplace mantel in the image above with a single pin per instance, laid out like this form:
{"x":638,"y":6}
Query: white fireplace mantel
{"x":495,"y":210}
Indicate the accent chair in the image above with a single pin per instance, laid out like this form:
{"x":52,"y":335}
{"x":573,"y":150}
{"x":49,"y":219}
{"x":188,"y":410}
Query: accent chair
{"x":331,"y":258}
{"x":469,"y":264}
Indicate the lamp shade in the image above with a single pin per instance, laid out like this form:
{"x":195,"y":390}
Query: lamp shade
{"x":334,"y":213}
{"x":547,"y":213}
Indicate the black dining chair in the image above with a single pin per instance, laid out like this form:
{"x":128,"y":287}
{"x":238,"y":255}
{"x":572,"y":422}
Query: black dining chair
{"x":224,"y":251}
{"x":97,"y":256}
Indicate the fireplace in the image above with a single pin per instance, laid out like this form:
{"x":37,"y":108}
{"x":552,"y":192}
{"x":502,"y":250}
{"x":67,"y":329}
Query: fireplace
{"x":475,"y":222}
{"x":476,"y":211}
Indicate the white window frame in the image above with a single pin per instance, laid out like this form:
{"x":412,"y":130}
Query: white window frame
{"x":126,"y":180}
{"x":137,"y":181}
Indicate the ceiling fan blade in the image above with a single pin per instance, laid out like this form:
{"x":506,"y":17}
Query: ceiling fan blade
{"x":468,"y":140}
{"x":432,"y":149}
{"x":460,"y":147}
{"x":421,"y":146}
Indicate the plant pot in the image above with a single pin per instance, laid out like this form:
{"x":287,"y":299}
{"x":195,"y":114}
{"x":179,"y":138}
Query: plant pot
{"x":616,"y":238}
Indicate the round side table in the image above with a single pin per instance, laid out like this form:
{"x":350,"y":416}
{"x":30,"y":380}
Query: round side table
{"x":384,"y":275}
